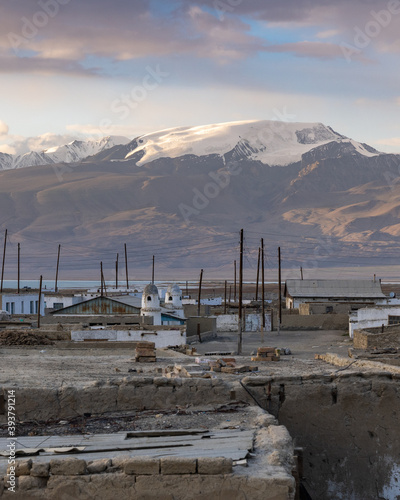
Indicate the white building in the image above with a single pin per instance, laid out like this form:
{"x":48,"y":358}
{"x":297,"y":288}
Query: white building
{"x":173,"y":301}
{"x":151,"y":303}
{"x":372,"y":317}
{"x":299,"y":292}
{"x":59,"y":301}
{"x":21,"y":303}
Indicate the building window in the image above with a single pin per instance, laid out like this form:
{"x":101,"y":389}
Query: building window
{"x":329,"y":309}
{"x":149,"y":298}
{"x":8,"y":307}
{"x":170,"y":298}
{"x":36,"y":306}
{"x":12,"y":307}
{"x":394,"y":320}
{"x":22,"y":307}
{"x":31,"y":307}
{"x":58,"y":305}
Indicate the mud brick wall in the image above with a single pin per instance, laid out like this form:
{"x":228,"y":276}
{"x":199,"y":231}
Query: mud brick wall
{"x":368,"y":340}
{"x":347,"y":425}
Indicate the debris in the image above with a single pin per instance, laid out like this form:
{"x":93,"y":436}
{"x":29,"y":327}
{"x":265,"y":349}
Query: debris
{"x":243,"y":462}
{"x":238,"y":369}
{"x":267,"y":354}
{"x":145,"y":352}
{"x":219,"y":353}
{"x":18,"y":337}
{"x":190,"y":370}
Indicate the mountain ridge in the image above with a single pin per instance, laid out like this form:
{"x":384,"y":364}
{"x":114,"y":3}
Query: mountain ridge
{"x":336,"y":205}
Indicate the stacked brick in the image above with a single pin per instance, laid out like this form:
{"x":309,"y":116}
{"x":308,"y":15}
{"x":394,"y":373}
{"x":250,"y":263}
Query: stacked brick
{"x":145,"y":352}
{"x":267,"y":354}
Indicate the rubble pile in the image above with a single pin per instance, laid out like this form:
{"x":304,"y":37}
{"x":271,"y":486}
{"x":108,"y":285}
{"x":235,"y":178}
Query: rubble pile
{"x":23,"y":337}
{"x":267,"y":354}
{"x":145,"y":352}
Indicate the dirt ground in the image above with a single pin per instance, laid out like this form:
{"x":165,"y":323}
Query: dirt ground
{"x":55,"y":366}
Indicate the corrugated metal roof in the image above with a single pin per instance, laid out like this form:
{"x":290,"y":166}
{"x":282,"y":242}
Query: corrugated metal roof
{"x":368,"y":289}
{"x":98,"y":305}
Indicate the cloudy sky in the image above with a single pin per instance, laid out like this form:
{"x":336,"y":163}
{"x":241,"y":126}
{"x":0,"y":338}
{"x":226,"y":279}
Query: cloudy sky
{"x":73,"y":68}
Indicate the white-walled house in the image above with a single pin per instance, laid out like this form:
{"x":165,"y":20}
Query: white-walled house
{"x":59,"y":300}
{"x":299,"y":291}
{"x":21,"y":303}
{"x":372,"y":317}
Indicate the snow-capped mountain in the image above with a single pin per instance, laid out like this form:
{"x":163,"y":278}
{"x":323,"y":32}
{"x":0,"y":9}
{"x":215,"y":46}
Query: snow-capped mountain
{"x":69,"y":153}
{"x":327,"y":199}
{"x":270,"y":142}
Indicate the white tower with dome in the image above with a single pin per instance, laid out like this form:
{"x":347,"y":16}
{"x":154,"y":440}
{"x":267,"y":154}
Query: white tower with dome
{"x":173,"y":300}
{"x":151,"y":303}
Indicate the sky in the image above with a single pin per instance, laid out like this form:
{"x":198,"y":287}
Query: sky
{"x":73,"y":69}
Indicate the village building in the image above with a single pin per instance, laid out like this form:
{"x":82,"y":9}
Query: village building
{"x":327,"y":296}
{"x":54,"y":301}
{"x":169,"y":314}
{"x":21,"y":303}
{"x":374,"y":317}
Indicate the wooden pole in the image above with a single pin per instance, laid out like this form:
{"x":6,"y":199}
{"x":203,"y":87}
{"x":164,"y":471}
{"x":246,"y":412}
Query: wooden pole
{"x":230,"y":293}
{"x":126,"y":268}
{"x":152,"y":272}
{"x":19,"y":266}
{"x":301,"y":272}
{"x":4,"y":260}
{"x":240,"y":326}
{"x":58,"y":264}
{"x":187,"y":289}
{"x":116,"y":272}
{"x":262,"y":285}
{"x":199,"y":297}
{"x":258,"y":271}
{"x":280,"y":290}
{"x":234,"y":288}
{"x":40,"y":301}
{"x":225,"y":297}
{"x":102,"y":279}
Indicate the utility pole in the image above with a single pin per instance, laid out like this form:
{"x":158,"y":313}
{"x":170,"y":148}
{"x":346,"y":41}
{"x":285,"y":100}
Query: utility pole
{"x":199,"y":297}
{"x":225,"y":297}
{"x":258,"y":271}
{"x":199,"y":304}
{"x":262,"y":285}
{"x":230,"y":294}
{"x":240,"y":325}
{"x":301,"y":272}
{"x":40,"y":301}
{"x":102,"y":279}
{"x":234,"y":288}
{"x":58,"y":264}
{"x":126,"y":269}
{"x":4,"y":260}
{"x":280,"y":291}
{"x":187,"y":289}
{"x":116,"y":272}
{"x":19,"y":268}
{"x":152,"y":273}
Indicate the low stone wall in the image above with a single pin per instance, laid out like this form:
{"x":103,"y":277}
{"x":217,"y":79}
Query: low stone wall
{"x":369,"y":339}
{"x":229,"y":322}
{"x":347,"y":424}
{"x":161,"y":337}
{"x":268,"y":477}
{"x":315,"y":321}
{"x":207,"y":324}
{"x":129,"y":393}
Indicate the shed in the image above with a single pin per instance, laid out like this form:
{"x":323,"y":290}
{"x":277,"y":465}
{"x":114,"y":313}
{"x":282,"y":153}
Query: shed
{"x":98,"y":306}
{"x":299,"y":291}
